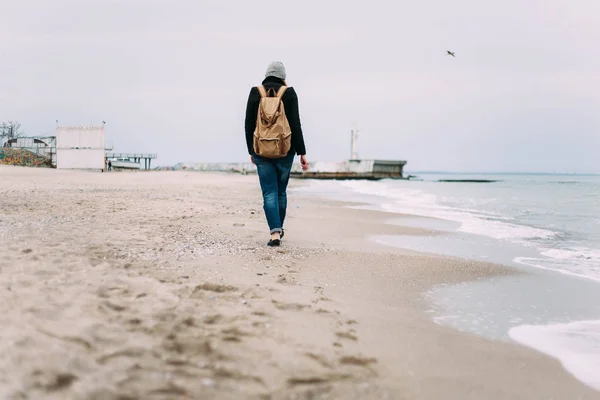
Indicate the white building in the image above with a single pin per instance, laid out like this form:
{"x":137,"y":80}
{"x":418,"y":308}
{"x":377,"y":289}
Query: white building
{"x":80,"y":147}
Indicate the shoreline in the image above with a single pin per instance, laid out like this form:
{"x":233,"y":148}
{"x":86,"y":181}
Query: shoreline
{"x":496,"y":308}
{"x":115,"y":278}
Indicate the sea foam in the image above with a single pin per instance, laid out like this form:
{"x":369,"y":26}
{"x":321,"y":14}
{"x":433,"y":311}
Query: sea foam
{"x":575,"y":344}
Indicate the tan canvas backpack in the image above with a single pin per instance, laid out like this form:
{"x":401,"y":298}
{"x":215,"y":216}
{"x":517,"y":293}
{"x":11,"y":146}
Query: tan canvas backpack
{"x":273,"y":135}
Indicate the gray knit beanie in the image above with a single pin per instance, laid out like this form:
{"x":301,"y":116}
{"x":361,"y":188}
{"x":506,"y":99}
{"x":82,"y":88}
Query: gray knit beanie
{"x":276,"y":69}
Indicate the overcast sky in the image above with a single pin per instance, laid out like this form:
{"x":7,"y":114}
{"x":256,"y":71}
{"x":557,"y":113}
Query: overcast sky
{"x":172,"y":77}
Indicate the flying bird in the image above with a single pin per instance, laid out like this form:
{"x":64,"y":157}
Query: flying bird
{"x":450,"y":53}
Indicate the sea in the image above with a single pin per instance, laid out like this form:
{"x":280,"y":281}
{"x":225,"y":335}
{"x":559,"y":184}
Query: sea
{"x":545,"y":225}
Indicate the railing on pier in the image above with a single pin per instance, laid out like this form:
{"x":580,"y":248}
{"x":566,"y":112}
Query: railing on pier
{"x":136,"y":157}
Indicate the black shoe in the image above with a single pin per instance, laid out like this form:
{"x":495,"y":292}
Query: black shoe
{"x":274,"y":242}
{"x":282,"y":233}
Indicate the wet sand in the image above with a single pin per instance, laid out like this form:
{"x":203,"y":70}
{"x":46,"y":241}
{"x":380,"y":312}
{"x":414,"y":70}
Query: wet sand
{"x":159,"y":285}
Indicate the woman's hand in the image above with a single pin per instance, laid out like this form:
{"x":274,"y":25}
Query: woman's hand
{"x":304,"y":163}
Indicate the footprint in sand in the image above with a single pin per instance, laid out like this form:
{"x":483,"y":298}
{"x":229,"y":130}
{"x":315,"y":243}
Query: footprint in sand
{"x":261,"y":313}
{"x":212,"y":287}
{"x":321,"y":360}
{"x":129,"y":353}
{"x":109,"y":291}
{"x":317,"y":380}
{"x":357,"y":361}
{"x":321,"y":299}
{"x":226,"y":373}
{"x":191,"y":347}
{"x":284,"y":279}
{"x":52,"y":380}
{"x":346,"y":335}
{"x":289,"y":306}
{"x":323,"y":311}
{"x":212,"y":319}
{"x":233,"y":334}
{"x":113,"y":306}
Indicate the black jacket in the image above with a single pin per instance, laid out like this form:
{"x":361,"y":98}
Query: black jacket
{"x":290,"y":102}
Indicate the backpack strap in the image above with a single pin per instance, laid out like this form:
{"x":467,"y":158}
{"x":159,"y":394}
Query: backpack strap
{"x":262,"y":91}
{"x":279,"y":94}
{"x":281,"y":91}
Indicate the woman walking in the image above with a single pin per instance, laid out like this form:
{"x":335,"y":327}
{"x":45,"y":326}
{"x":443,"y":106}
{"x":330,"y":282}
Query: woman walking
{"x":274,"y":137}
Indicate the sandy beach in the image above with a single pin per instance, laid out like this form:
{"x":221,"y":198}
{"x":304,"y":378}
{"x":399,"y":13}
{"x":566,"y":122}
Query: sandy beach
{"x":159,"y":285}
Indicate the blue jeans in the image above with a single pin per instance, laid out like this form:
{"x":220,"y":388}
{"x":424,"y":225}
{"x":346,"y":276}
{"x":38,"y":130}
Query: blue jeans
{"x":274,"y":175}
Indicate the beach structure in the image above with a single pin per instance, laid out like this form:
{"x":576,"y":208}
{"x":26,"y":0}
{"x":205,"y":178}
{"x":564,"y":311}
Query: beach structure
{"x":354,"y":144}
{"x":354,"y":168}
{"x":80,"y":147}
{"x":36,"y":147}
{"x":241,"y":168}
{"x":130,"y":160}
{"x":22,"y":158}
{"x":73,"y":147}
{"x":351,"y":169}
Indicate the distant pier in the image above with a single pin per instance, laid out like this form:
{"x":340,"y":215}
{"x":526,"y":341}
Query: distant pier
{"x":132,"y":158}
{"x":352,"y":169}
